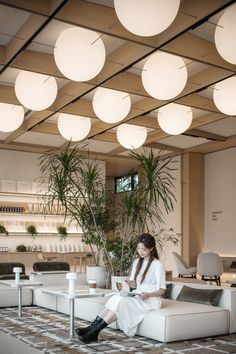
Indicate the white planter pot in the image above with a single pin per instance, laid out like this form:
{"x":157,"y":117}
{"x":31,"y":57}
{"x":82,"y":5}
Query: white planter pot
{"x":98,"y":273}
{"x":119,"y":279}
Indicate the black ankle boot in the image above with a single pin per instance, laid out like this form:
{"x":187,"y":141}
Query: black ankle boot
{"x":81,"y":331}
{"x":92,"y":334}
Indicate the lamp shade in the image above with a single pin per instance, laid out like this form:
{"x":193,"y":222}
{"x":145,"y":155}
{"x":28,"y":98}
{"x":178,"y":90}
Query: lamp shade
{"x":74,"y":128}
{"x":35,"y":91}
{"x":79,"y":54}
{"x":131,"y":136}
{"x":174,"y":118}
{"x":11,"y":117}
{"x":111,"y":106}
{"x":224,"y":96}
{"x":164,"y":75}
{"x":146,"y":18}
{"x":225,"y":39}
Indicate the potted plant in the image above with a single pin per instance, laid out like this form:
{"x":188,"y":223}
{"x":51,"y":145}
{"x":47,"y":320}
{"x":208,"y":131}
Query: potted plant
{"x":62,"y":231}
{"x":139,"y":210}
{"x":3,"y":230}
{"x":21,"y":248}
{"x":76,"y":183}
{"x":32,"y":231}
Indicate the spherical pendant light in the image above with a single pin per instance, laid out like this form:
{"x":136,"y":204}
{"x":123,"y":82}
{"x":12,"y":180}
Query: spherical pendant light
{"x":174,"y":118}
{"x":146,"y":17}
{"x":224,"y":96}
{"x":164,"y":75}
{"x":225,"y":38}
{"x":111,"y":106}
{"x":74,"y":128}
{"x":79,"y":54}
{"x":131,"y":136}
{"x":11,"y":117}
{"x":35,"y":91}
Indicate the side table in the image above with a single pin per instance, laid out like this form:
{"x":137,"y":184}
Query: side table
{"x":77,"y":294}
{"x":19,"y":285}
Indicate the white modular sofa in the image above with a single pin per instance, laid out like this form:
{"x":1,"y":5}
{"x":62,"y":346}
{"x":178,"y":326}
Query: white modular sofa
{"x":176,"y":320}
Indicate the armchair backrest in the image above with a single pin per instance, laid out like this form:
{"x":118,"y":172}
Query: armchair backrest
{"x":180,"y":263}
{"x":209,"y":264}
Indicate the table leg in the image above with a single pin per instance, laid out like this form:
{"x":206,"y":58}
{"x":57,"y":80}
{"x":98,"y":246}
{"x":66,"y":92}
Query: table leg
{"x":20,"y":301}
{"x":72,"y":317}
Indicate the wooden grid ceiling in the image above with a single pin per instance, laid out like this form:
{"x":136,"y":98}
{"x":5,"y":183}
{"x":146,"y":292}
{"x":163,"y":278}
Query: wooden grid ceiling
{"x":29,"y":29}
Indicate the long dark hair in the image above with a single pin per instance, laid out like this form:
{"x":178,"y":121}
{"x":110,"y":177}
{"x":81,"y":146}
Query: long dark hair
{"x":149,"y":242}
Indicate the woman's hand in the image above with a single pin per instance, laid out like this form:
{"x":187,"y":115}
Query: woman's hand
{"x":145,"y":296}
{"x":131,"y":283}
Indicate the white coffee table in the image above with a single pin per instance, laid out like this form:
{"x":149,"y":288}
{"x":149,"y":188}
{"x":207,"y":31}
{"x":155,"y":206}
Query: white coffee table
{"x":77,"y":294}
{"x":19,"y":285}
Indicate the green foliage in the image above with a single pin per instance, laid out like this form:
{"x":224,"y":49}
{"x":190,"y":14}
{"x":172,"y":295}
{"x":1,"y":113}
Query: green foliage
{"x":32,"y":231}
{"x":3,"y":230}
{"x":21,"y":248}
{"x":140,"y":210}
{"x":62,"y":230}
{"x":76,"y":183}
{"x":122,"y":253}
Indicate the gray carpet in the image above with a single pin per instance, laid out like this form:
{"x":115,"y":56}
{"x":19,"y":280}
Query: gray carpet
{"x":48,"y":331}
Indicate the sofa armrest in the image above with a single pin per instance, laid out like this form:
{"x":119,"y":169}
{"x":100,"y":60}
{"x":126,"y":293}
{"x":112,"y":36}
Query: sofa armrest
{"x":57,"y":278}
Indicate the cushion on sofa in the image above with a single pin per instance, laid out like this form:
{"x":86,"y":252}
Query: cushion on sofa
{"x":6,"y":270}
{"x":50,"y":266}
{"x":201,"y":296}
{"x":167,"y":294}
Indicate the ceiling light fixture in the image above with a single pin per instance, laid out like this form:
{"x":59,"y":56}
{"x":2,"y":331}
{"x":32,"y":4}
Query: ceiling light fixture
{"x":146,"y":18}
{"x":131,"y":136}
{"x":224,"y":96}
{"x":35,"y":91}
{"x":111,"y":106}
{"x":79,"y":54}
{"x":72,"y":127}
{"x":174,"y":118}
{"x":164,"y":75}
{"x":12,"y":117}
{"x":225,"y":39}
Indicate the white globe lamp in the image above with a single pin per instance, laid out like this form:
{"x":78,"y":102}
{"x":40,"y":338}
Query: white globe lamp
{"x":35,"y":91}
{"x":225,"y":38}
{"x":11,"y":117}
{"x":174,"y":118}
{"x":146,"y":17}
{"x":79,"y":54}
{"x":111,"y":106}
{"x":131,"y":136}
{"x":74,"y":128}
{"x":224,"y":96}
{"x":164,"y":75}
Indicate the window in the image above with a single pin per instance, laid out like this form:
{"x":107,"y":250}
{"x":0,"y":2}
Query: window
{"x":126,"y":183}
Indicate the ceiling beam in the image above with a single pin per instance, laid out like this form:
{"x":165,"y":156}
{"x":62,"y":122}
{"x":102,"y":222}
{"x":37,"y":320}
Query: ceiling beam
{"x":203,"y":134}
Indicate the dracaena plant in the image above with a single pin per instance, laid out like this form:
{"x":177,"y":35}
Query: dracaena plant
{"x":76,"y":183}
{"x":143,"y":209}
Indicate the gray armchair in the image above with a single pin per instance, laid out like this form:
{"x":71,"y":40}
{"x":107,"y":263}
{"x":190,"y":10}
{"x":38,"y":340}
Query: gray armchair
{"x":184,"y":270}
{"x":210,"y":267}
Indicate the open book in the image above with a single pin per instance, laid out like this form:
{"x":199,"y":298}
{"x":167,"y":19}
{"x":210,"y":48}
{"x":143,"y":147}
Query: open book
{"x":124,"y":293}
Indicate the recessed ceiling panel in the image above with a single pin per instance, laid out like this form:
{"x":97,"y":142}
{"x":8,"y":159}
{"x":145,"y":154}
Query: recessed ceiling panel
{"x":183,"y":141}
{"x":41,"y":139}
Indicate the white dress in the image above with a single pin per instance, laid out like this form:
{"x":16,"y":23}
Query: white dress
{"x":131,"y":310}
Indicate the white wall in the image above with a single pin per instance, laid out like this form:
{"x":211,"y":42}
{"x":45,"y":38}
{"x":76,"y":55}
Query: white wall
{"x":220,"y":202}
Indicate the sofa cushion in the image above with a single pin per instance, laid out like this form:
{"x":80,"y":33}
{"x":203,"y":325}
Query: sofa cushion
{"x":50,"y":266}
{"x":7,"y":267}
{"x":179,"y":320}
{"x":200,"y":296}
{"x":167,"y":294}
